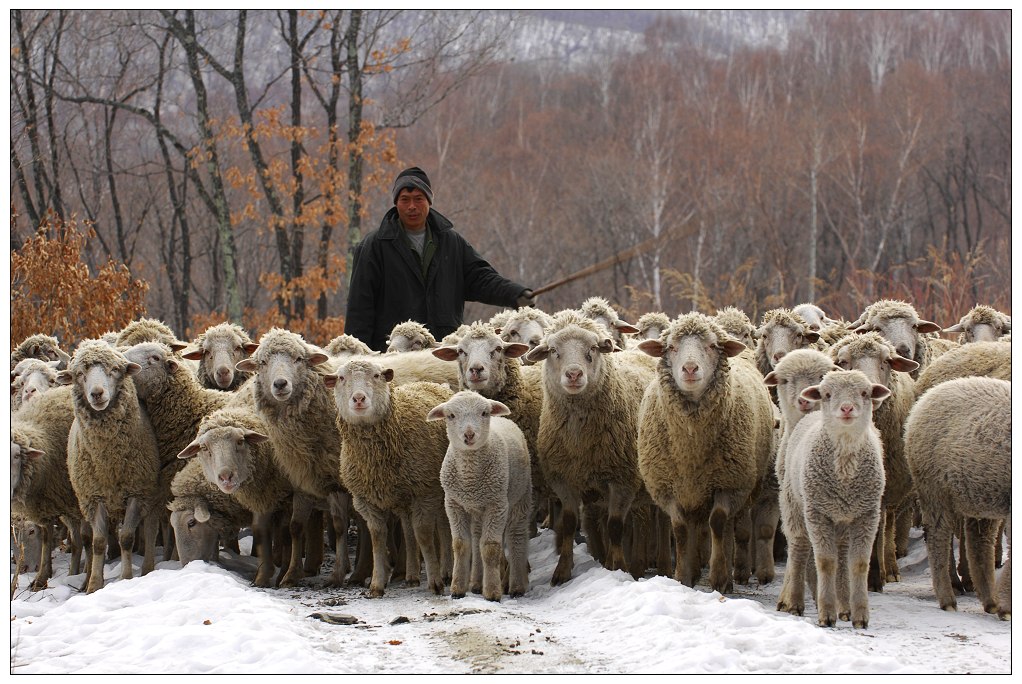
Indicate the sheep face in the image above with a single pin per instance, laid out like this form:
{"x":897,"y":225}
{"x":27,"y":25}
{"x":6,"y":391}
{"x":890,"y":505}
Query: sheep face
{"x":798,"y":370}
{"x":481,"y":357}
{"x":405,"y":338}
{"x":981,"y":324}
{"x":99,"y":382}
{"x":522,"y":331}
{"x":813,"y":315}
{"x":468,"y":419}
{"x":36,"y":378}
{"x":780,"y":338}
{"x":693,"y":357}
{"x":281,"y":362}
{"x":901,"y":330}
{"x":361,"y":391}
{"x":21,"y":453}
{"x":221,"y":350}
{"x":195,"y":537}
{"x":224,"y":453}
{"x":574,"y":358}
{"x":157,"y":364}
{"x":871,"y":354}
{"x":846,"y":401}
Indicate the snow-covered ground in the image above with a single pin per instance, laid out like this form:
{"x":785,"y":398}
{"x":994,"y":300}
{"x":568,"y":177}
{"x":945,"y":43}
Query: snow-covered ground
{"x":205,"y":619}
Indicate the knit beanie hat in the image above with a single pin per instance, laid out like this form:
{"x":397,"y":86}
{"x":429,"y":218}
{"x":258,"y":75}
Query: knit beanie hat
{"x":412,"y":178}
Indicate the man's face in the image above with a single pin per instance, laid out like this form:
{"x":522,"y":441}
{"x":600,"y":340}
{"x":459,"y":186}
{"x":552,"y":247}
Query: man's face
{"x":412,"y":208}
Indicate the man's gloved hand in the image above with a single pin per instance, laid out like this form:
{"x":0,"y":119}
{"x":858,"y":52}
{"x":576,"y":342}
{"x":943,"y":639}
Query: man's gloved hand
{"x":526,"y":298}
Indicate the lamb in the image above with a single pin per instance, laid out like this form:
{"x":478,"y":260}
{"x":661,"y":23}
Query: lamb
{"x":410,"y":336}
{"x":42,"y":347}
{"x":487,"y":494}
{"x":524,"y":326}
{"x":704,"y":441}
{"x":390,"y":462}
{"x":202,"y":515}
{"x":781,"y":332}
{"x":830,"y":497}
{"x":651,"y":325}
{"x":736,"y":323}
{"x":898,"y":323}
{"x":112,"y":456}
{"x":289,"y":394}
{"x":958,"y":445}
{"x":981,"y":324}
{"x":990,"y":359}
{"x":599,"y":310}
{"x":587,"y":429}
{"x":219,"y":349}
{"x":30,"y":379}
{"x":874,"y":356}
{"x":40,"y":486}
{"x":233,"y":448}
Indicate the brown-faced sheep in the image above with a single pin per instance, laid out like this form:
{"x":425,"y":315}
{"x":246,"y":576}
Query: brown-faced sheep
{"x":390,"y":462}
{"x":981,"y":324}
{"x":112,"y":456}
{"x":42,"y":347}
{"x":958,"y":445}
{"x":705,"y":440}
{"x":830,"y":497}
{"x":219,"y":349}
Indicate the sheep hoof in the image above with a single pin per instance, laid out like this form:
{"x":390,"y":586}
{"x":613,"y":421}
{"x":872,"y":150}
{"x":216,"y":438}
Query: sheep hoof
{"x":375,"y":592}
{"x":1006,"y":616}
{"x":860,"y":624}
{"x":412,"y":582}
{"x":827,"y":621}
{"x":519,"y":594}
{"x":458,"y":595}
{"x":950,"y":606}
{"x":494,"y":597}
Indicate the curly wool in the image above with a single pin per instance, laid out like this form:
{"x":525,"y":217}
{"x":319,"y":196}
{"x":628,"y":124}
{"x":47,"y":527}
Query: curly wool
{"x":235,"y":335}
{"x":982,"y":315}
{"x":652,"y":319}
{"x":412,"y":330}
{"x":190,"y":489}
{"x":146,"y":330}
{"x":347,"y":344}
{"x":598,"y":307}
{"x":736,"y":323}
{"x":990,"y":359}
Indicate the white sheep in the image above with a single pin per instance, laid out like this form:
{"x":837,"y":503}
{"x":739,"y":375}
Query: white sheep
{"x":780,"y":332}
{"x":737,"y":324}
{"x":30,"y":379}
{"x":390,"y":462}
{"x":219,"y":349}
{"x":343,"y":347}
{"x":410,"y":336}
{"x":112,"y":456}
{"x":988,"y":359}
{"x":587,"y":429}
{"x":602,"y":313}
{"x":487,"y":494}
{"x":898,"y":323}
{"x":958,"y":445}
{"x":830,"y":497}
{"x":524,"y":326}
{"x":705,"y":441}
{"x":981,"y":324}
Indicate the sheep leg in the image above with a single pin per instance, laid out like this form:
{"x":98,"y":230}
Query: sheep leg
{"x":858,"y":567}
{"x":74,"y":536}
{"x":363,"y":554}
{"x":568,"y":521}
{"x":743,"y":539}
{"x":413,"y":565}
{"x":516,"y":537}
{"x":592,"y":526}
{"x":792,"y":596}
{"x":822,"y":535}
{"x":892,"y":574}
{"x":126,"y":534}
{"x":844,"y":611}
{"x":938,"y":548}
{"x":280,"y":551}
{"x":493,"y":522}
{"x":476,"y":581}
{"x":301,"y":508}
{"x":765,"y":518}
{"x":902,"y":528}
{"x":443,"y":538}
{"x":462,"y":543}
{"x":998,"y":548}
{"x":687,"y":566}
{"x":619,"y":502}
{"x":376,"y":521}
{"x":262,"y":536}
{"x":312,"y":541}
{"x":1004,"y":581}
{"x":979,"y":547}
{"x":964,"y":571}
{"x":339,"y":502}
{"x":877,"y":571}
{"x":45,"y":558}
{"x":722,"y":540}
{"x":424,"y":527}
{"x":150,"y":528}
{"x":99,"y":522}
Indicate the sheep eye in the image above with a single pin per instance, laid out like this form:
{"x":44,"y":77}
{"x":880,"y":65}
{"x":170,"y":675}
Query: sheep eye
{"x":485,"y":413}
{"x":191,"y":522}
{"x":513,"y":334}
{"x":376,"y":376}
{"x":461,"y":352}
{"x":450,"y":416}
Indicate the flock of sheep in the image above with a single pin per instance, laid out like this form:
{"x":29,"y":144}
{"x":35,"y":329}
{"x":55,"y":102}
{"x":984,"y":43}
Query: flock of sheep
{"x":672,"y":445}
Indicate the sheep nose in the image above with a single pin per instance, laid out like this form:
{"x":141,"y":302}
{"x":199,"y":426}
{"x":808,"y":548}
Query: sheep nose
{"x":475,"y":371}
{"x":223,"y":373}
{"x":280,"y":384}
{"x":904,"y":351}
{"x":29,"y":391}
{"x":97,"y":394}
{"x":470,"y":436}
{"x":778,"y":356}
{"x":573,"y":375}
{"x":690,"y":368}
{"x":803,"y":403}
{"x":847,"y":409}
{"x":358,"y":399}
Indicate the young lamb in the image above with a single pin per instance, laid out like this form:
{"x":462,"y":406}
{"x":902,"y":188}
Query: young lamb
{"x":30,"y":379}
{"x":202,"y":516}
{"x":235,"y":454}
{"x":874,"y":356}
{"x":390,"y":462}
{"x":587,"y":429}
{"x":898,"y":323}
{"x":830,"y":497}
{"x":958,"y":445}
{"x":981,"y":324}
{"x":487,"y":493}
{"x":112,"y":456}
{"x":410,"y":336}
{"x":299,"y":411}
{"x":781,"y":332}
{"x":42,"y":347}
{"x":40,"y":486}
{"x":704,"y":441}
{"x":219,"y":349}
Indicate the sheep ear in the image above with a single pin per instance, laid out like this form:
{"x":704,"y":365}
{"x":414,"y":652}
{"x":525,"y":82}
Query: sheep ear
{"x":189,"y":450}
{"x":63,"y":359}
{"x":900,"y":363}
{"x":879,"y":393}
{"x":732,"y":347}
{"x":194,"y":355}
{"x":539,"y":353}
{"x":446,"y":353}
{"x":388,"y":374}
{"x":812,"y":393}
{"x":437,"y":413}
{"x":33,"y":453}
{"x":606,"y":346}
{"x":202,"y":512}
{"x":772,"y":379}
{"x":654,"y":348}
{"x":812,"y":335}
{"x":250,"y":347}
{"x":499,"y":409}
{"x":1007,"y":325}
{"x":253,"y":437}
{"x":246,"y":366}
{"x":514,"y":350}
{"x":956,"y":328}
{"x":64,"y":377}
{"x":172,"y":365}
{"x":927,"y":327}
{"x":175,"y":347}
{"x":626,"y":328}
{"x":330,"y":380}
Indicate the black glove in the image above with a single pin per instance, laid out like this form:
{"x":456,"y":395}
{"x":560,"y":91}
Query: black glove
{"x":526,"y":298}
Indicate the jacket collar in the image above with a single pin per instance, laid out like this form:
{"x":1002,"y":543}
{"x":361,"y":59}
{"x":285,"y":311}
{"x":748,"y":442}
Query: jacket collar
{"x":391,"y":224}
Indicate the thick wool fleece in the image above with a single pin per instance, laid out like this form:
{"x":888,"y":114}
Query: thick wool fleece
{"x":45,"y":491}
{"x":989,"y":359}
{"x":190,"y":488}
{"x":146,"y":330}
{"x":235,"y":335}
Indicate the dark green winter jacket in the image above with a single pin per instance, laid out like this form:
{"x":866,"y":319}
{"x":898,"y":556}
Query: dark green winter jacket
{"x":387,"y":286}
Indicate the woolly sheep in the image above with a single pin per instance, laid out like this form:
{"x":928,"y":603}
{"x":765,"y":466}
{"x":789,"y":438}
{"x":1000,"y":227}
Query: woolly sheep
{"x":651,"y":325}
{"x":344,"y":347}
{"x":219,"y":349}
{"x":487,"y":494}
{"x":600,"y":311}
{"x":587,"y":429}
{"x":874,"y":356}
{"x":813,"y":315}
{"x":704,"y":440}
{"x":410,"y":336}
{"x":40,"y":486}
{"x":390,"y":462}
{"x":499,"y":319}
{"x":202,"y":515}
{"x":148,"y":330}
{"x":780,"y":332}
{"x":42,"y":347}
{"x":524,"y":326}
{"x":111,"y":456}
{"x":898,"y":323}
{"x":30,"y":379}
{"x":981,"y":324}
{"x":233,"y":448}
{"x":736,"y":323}
{"x":453,"y":338}
{"x":990,"y":359}
{"x":299,"y":411}
{"x":958,"y":445}
{"x":830,"y":497}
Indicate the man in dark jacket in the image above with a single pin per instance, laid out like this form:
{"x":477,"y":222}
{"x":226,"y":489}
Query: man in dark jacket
{"x":417,"y":267}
